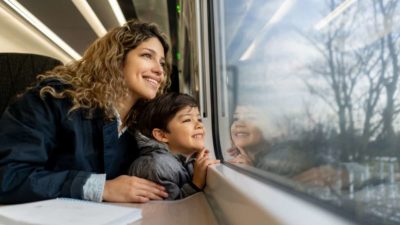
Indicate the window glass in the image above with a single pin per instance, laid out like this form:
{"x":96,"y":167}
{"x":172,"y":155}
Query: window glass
{"x":311,"y":91}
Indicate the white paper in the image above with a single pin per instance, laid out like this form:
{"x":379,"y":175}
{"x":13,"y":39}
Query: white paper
{"x":68,"y":212}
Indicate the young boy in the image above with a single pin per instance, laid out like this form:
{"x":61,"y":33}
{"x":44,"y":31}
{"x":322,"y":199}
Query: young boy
{"x":170,"y":137}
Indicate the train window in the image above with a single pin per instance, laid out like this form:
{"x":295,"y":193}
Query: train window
{"x":308,"y":90}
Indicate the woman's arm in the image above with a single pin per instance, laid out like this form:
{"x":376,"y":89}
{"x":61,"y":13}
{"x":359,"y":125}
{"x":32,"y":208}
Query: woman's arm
{"x":35,"y":165}
{"x":27,"y":136}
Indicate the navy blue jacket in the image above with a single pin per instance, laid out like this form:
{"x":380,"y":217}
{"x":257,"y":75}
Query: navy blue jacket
{"x":46,"y":152}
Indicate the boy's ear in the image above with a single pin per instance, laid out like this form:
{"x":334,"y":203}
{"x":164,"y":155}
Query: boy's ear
{"x":159,"y":135}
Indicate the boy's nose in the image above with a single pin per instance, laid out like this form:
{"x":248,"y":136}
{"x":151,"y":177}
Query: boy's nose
{"x":199,"y":125}
{"x":239,"y":123}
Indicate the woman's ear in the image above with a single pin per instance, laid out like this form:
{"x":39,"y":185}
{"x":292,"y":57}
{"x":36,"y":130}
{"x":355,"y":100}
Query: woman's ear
{"x":160,"y":135}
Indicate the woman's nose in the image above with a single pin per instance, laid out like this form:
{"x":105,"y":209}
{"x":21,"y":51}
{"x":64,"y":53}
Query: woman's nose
{"x":158,"y":68}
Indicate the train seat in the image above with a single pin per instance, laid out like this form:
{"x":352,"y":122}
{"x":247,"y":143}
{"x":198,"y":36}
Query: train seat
{"x":18,"y":70}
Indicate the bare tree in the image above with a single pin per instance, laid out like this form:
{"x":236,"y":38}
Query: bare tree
{"x":340,"y":70}
{"x":372,"y":70}
{"x":384,"y":13}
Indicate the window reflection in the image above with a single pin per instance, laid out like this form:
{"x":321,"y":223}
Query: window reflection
{"x":316,"y":97}
{"x":262,"y":148}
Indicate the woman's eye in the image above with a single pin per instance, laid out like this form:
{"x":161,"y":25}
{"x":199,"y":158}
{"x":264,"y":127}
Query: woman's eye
{"x":185,"y":121}
{"x":147,"y":55}
{"x":200,"y":120}
{"x":163,"y":64}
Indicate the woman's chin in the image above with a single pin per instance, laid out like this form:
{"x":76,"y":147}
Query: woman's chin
{"x":149,"y":96}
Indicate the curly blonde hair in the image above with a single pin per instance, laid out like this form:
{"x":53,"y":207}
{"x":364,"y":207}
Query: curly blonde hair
{"x":96,"y":80}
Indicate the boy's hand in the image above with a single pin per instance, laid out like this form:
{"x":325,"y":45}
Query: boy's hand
{"x":132,"y":189}
{"x":241,"y":159}
{"x":233,"y":151}
{"x":200,"y":168}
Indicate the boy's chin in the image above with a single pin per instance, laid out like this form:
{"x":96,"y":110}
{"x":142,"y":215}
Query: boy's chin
{"x":199,"y":148}
{"x":195,"y":150}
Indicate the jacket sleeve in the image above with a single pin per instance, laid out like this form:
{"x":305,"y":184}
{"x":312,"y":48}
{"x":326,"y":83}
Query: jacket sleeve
{"x":165,"y":172}
{"x":28,"y":131}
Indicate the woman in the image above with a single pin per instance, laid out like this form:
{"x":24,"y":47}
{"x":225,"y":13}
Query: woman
{"x":65,"y":136}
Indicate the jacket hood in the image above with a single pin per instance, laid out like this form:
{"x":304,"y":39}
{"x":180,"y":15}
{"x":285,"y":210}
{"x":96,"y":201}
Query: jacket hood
{"x":147,"y":144}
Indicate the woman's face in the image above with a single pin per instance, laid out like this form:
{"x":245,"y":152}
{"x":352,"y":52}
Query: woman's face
{"x":143,"y":69}
{"x":244,"y":131}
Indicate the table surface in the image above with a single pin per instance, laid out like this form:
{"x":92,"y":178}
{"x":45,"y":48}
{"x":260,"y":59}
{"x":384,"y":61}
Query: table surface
{"x":193,"y":210}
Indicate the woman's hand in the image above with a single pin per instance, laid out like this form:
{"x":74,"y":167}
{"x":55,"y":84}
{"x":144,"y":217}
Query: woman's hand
{"x":200,"y":168}
{"x":132,"y":189}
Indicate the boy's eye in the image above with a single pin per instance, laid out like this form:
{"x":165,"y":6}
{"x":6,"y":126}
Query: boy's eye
{"x":185,"y":121}
{"x":200,"y":120}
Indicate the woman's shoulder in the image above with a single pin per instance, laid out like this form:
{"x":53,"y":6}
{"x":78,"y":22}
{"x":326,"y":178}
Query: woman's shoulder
{"x":33,"y":101}
{"x":35,"y":89}
{"x":53,"y":82}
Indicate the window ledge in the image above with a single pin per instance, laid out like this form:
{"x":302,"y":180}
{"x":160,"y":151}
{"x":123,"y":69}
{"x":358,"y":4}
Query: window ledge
{"x":239,"y":199}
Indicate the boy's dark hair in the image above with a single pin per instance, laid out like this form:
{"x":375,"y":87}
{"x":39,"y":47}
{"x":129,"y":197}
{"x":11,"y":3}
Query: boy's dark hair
{"x":158,"y":112}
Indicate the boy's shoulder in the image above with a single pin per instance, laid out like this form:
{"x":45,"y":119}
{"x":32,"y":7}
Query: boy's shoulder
{"x":157,"y":165}
{"x":159,"y":158}
{"x":158,"y":155}
{"x":152,"y":150}
{"x":155,"y":159}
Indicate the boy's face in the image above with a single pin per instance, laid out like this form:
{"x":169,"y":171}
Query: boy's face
{"x":245,"y":130}
{"x":186,"y":131}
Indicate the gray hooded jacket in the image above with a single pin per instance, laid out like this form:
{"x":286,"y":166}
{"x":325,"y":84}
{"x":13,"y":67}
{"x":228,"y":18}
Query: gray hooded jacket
{"x":158,"y":164}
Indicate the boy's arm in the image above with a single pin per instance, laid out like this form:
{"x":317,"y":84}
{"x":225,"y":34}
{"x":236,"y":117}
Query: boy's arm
{"x":189,"y":189}
{"x":200,"y":168}
{"x":164,"y":170}
{"x":175,"y":192}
